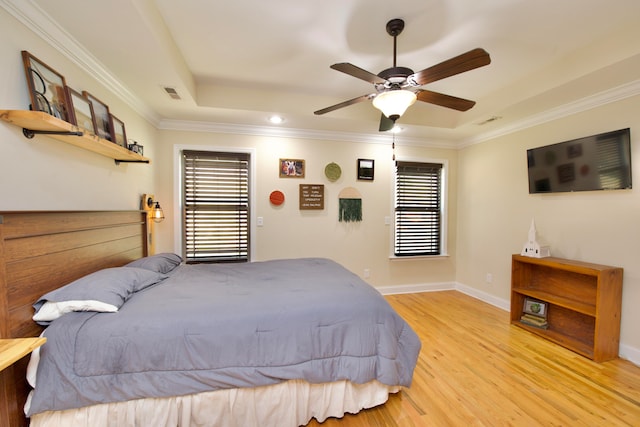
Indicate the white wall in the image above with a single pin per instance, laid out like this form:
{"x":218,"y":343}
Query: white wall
{"x":290,"y":232}
{"x":495,"y":211}
{"x":45,"y":174}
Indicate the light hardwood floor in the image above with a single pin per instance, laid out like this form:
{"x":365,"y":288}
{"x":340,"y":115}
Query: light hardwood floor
{"x":475,"y":369}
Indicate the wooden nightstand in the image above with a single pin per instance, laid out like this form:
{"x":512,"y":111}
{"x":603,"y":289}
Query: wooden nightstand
{"x":14,"y":349}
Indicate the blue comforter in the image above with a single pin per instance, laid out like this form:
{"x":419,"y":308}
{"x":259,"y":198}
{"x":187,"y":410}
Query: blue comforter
{"x":209,"y":327}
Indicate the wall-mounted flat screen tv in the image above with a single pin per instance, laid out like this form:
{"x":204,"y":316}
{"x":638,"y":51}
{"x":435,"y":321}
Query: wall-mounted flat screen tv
{"x":598,"y":162}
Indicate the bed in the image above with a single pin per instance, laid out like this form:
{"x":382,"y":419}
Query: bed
{"x":266,"y":343}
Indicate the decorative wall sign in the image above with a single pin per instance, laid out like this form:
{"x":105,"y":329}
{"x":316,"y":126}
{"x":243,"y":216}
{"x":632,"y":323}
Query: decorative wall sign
{"x":46,"y":87}
{"x":365,"y":169}
{"x":311,"y":196}
{"x":291,"y":168}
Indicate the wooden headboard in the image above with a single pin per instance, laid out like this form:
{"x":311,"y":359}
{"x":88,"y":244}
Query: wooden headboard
{"x":42,"y":251}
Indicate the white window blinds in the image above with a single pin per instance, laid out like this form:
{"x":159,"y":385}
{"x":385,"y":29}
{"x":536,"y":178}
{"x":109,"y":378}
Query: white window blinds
{"x":418,"y":210}
{"x":216,"y":206}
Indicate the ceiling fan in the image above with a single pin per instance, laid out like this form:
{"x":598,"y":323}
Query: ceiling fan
{"x":397,"y":88}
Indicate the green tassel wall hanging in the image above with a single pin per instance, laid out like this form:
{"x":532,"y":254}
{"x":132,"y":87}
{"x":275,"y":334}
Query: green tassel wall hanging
{"x":350,"y":205}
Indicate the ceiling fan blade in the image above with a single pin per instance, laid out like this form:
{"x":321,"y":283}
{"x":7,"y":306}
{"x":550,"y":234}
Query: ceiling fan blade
{"x":358,"y":72}
{"x":345,"y":104}
{"x":443,"y":100}
{"x":385,"y":123}
{"x":466,"y":62}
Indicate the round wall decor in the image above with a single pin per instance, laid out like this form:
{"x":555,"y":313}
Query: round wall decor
{"x":332,"y":171}
{"x":276,"y":197}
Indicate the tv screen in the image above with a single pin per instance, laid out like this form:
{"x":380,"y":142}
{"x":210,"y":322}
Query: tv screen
{"x":598,"y":162}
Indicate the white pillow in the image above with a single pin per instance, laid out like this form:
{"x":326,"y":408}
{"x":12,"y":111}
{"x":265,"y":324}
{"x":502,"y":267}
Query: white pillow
{"x":52,"y":310}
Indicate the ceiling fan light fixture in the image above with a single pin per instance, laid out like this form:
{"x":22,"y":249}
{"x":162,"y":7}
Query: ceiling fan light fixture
{"x":394,"y":103}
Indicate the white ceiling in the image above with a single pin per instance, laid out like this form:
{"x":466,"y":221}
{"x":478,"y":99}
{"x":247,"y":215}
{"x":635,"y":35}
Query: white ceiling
{"x":236,"y":63}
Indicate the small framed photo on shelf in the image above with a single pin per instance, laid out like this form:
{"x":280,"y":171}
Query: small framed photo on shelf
{"x":291,"y":168}
{"x":136,"y":148}
{"x":535,"y":307}
{"x":46,"y":87}
{"x":119,"y":134}
{"x":80,"y":111}
{"x":104,"y":127}
{"x":365,"y":169}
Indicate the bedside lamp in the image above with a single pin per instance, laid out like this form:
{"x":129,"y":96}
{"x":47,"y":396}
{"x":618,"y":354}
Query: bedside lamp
{"x":157,"y":213}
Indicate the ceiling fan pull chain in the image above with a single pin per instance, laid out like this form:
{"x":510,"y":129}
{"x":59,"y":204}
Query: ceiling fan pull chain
{"x":393,"y":147}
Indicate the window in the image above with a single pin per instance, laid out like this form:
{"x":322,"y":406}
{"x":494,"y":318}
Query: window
{"x":418,"y":209}
{"x":216,"y":206}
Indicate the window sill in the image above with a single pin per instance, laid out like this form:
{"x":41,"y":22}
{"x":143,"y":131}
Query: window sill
{"x":421,"y":257}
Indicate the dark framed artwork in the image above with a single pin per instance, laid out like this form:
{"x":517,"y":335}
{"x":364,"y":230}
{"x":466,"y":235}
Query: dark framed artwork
{"x":80,"y":111}
{"x":291,"y":168}
{"x":104,"y":127}
{"x":574,"y":150}
{"x":119,"y":134}
{"x":46,"y":87}
{"x":365,"y":169}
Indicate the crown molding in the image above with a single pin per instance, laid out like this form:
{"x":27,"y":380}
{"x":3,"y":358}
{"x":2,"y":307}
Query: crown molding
{"x":201,"y":126}
{"x":593,"y":101}
{"x":41,"y":23}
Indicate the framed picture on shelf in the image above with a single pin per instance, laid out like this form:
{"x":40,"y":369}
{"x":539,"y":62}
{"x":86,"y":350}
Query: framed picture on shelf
{"x":365,"y":169}
{"x":80,"y":111}
{"x":119,"y":134}
{"x":46,"y":87}
{"x":136,"y":148}
{"x":104,"y":127}
{"x":535,"y":307}
{"x":291,"y":168}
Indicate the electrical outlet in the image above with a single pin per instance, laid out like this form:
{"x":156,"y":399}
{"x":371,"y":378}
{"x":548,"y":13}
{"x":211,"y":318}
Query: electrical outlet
{"x":489,"y":278}
{"x":259,"y":221}
{"x":367,"y":273}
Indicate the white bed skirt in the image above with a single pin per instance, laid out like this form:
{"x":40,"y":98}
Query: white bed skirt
{"x":289,"y":404}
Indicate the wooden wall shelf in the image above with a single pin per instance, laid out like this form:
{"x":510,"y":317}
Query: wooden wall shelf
{"x":583,"y":302}
{"x":36,"y":122}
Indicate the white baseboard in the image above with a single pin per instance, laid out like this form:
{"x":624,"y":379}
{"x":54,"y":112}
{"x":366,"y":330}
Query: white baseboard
{"x":629,"y":353}
{"x":414,"y":289}
{"x":483,"y":296}
{"x":626,"y":352}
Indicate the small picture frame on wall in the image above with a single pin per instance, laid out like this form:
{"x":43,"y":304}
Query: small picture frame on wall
{"x":291,"y":168}
{"x":365,"y":169}
{"x":80,"y":111}
{"x":119,"y":134}
{"x":104,"y":127}
{"x":46,"y":87}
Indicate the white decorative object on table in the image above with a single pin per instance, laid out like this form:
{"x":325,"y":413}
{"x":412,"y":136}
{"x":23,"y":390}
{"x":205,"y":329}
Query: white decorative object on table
{"x":532,"y":248}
